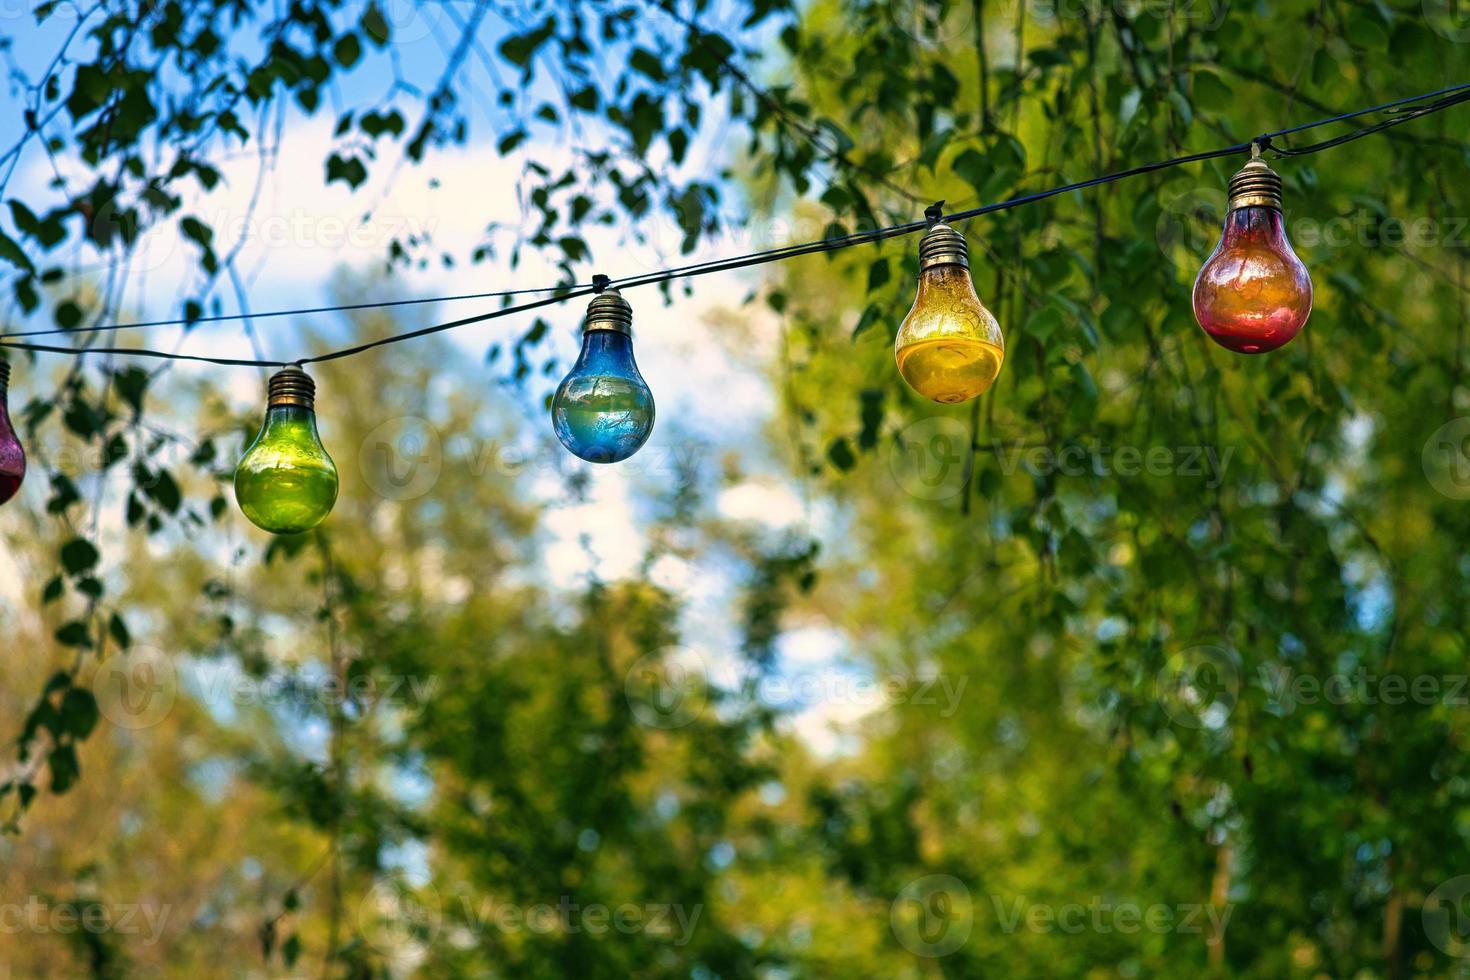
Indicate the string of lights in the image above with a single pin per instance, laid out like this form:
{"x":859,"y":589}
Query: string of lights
{"x":1253,"y":295}
{"x":1400,"y":111}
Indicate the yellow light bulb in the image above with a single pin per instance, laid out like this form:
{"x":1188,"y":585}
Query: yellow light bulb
{"x":949,"y":348}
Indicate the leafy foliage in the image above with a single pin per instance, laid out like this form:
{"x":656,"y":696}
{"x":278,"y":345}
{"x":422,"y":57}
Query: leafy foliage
{"x":1289,"y":527}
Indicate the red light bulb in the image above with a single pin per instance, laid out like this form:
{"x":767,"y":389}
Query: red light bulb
{"x":1253,"y":294}
{"x":12,"y":456}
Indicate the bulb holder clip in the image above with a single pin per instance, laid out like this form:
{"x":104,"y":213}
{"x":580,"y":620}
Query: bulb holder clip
{"x":1255,"y":186}
{"x":609,"y":311}
{"x":292,"y":386}
{"x":942,"y":245}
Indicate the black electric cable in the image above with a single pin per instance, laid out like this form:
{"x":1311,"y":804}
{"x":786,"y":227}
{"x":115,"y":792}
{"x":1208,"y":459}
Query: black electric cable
{"x":1404,"y":110}
{"x":306,"y":311}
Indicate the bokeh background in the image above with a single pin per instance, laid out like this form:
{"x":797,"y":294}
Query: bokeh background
{"x":1151,"y":662}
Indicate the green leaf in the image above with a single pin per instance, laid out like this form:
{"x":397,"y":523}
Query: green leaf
{"x":64,"y":768}
{"x":586,"y":99}
{"x":197,"y":231}
{"x":375,"y":124}
{"x":1129,"y":108}
{"x":511,"y":140}
{"x":63,"y":494}
{"x":131,"y":383}
{"x":79,"y":555}
{"x":25,"y":219}
{"x":878,"y":274}
{"x":933,"y":148}
{"x":90,"y":88}
{"x":575,"y":248}
{"x":840,"y":455}
{"x":11,"y":252}
{"x":68,"y":314}
{"x":647,"y":63}
{"x":972,"y":167}
{"x":871,"y":413}
{"x":1043,"y":323}
{"x":349,"y":170}
{"x":347,"y":50}
{"x":871,"y":315}
{"x":375,"y":25}
{"x":79,"y":712}
{"x":1365,"y":30}
{"x":43,"y":715}
{"x":1210,"y":92}
{"x":74,"y":634}
{"x":162,"y":490}
{"x":1181,"y":106}
{"x":119,"y":631}
{"x":25,"y":288}
{"x":519,"y":49}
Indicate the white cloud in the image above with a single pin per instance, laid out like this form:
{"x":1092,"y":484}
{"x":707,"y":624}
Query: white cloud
{"x":765,"y":502}
{"x":597,"y":533}
{"x":829,"y":729}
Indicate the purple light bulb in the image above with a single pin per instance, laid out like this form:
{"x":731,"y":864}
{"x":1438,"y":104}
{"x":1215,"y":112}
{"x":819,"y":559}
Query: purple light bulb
{"x":12,"y":456}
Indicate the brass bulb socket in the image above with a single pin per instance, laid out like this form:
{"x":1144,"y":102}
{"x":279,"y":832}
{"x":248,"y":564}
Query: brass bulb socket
{"x":292,"y":386}
{"x":942,"y":245}
{"x":609,"y":311}
{"x":1255,"y":186}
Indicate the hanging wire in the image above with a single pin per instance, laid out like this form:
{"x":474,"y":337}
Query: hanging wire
{"x":1400,"y":110}
{"x":221,"y":318}
{"x":1400,"y":113}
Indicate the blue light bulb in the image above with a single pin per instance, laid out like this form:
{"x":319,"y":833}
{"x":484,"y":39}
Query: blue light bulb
{"x":603,"y":410}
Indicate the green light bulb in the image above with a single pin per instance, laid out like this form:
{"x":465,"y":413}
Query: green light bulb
{"x":286,"y":483}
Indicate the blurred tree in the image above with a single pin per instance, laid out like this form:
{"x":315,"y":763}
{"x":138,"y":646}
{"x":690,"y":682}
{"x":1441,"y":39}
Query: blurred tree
{"x":1123,"y":558}
{"x":1136,"y":546}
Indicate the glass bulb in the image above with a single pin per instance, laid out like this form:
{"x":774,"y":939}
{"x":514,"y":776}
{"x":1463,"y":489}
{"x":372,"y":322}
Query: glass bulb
{"x":1253,"y":294}
{"x":603,"y":411}
{"x":949,"y":348}
{"x":286,"y":483}
{"x":12,"y":456}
